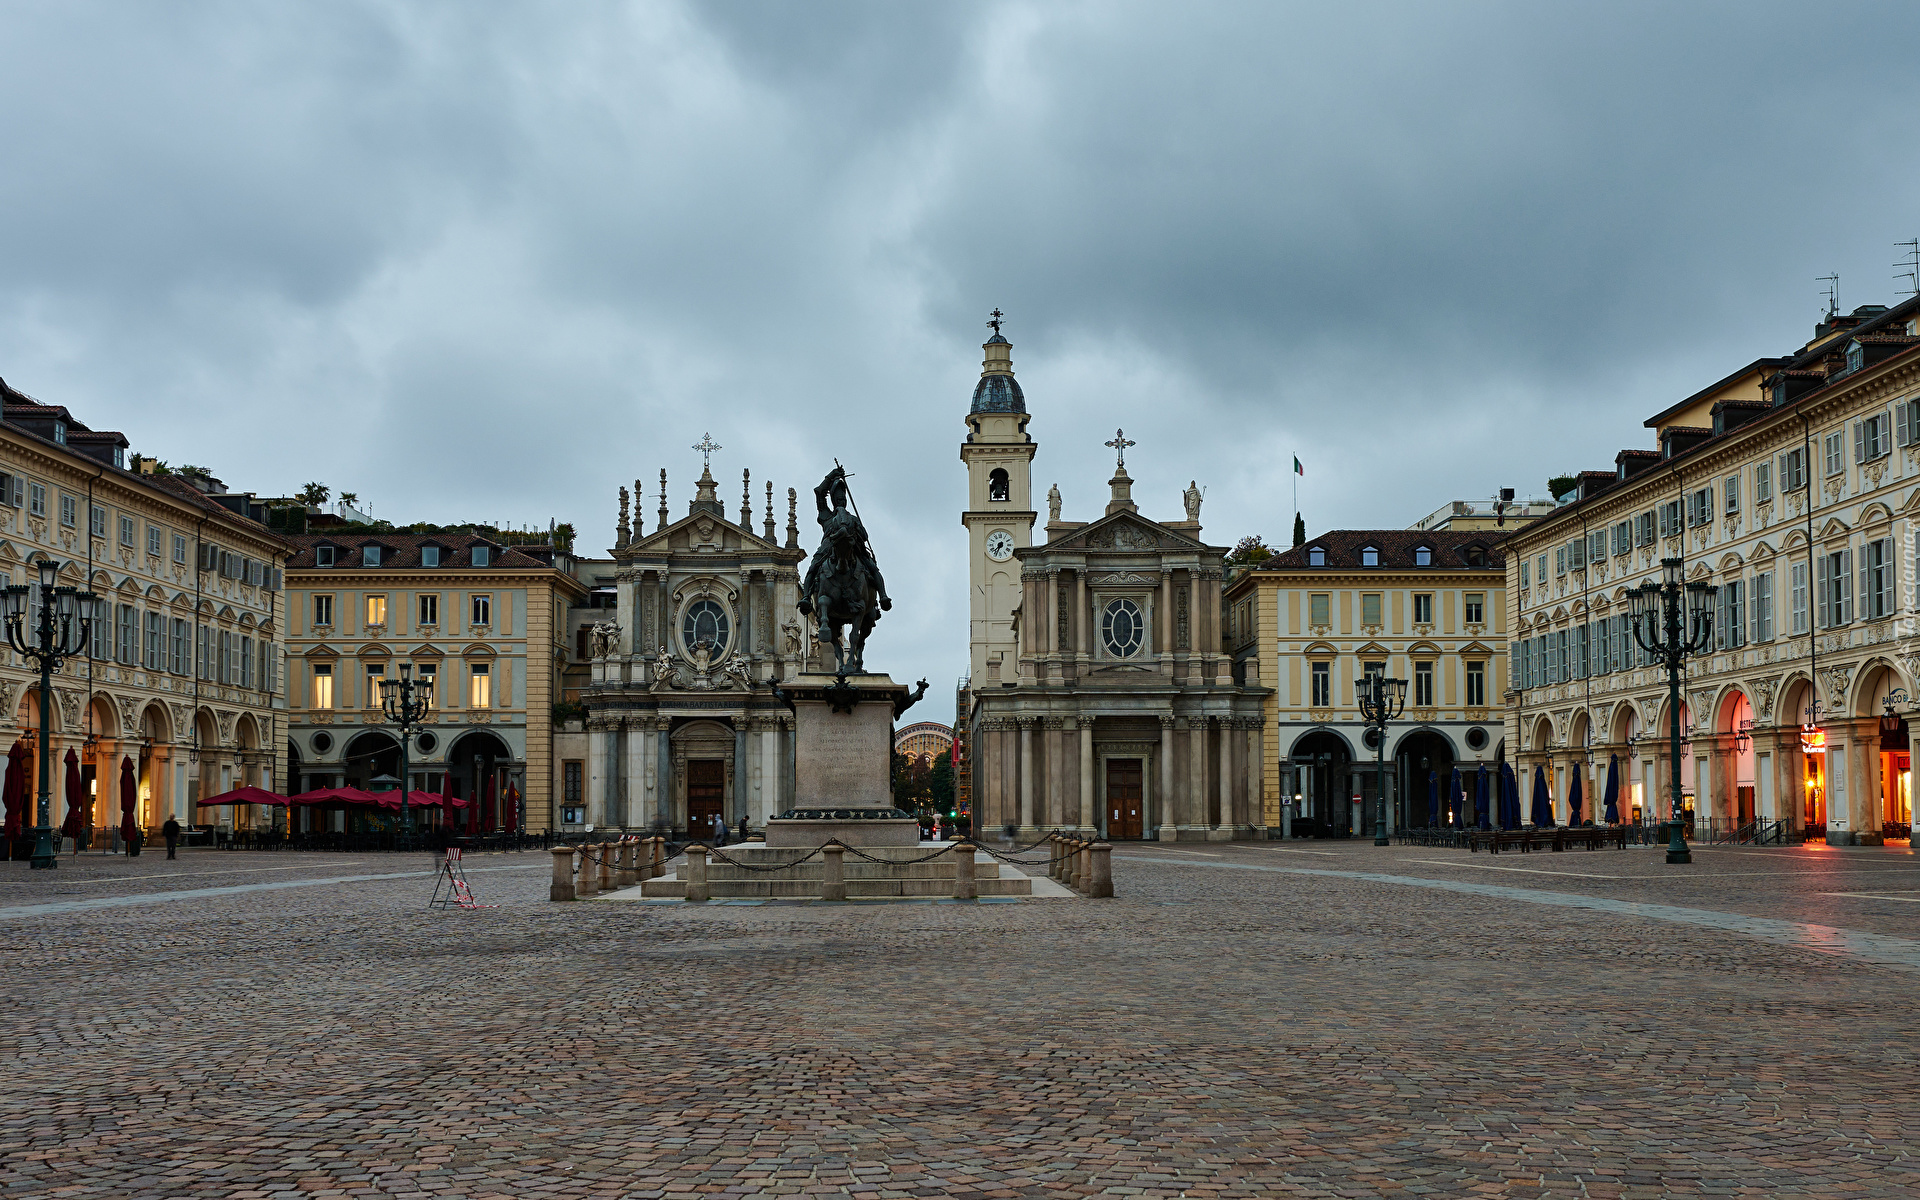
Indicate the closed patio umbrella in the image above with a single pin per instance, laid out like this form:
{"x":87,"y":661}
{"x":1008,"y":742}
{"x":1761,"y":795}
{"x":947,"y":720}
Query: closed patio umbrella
{"x":489,"y":819}
{"x":1611,"y":813}
{"x":512,"y":815}
{"x":1542,"y":801}
{"x":75,"y":824}
{"x":1433,"y":799}
{"x":1458,"y":798}
{"x":129,"y":796}
{"x":15,"y":790}
{"x":1574,"y":798}
{"x":1480,"y":798}
{"x":1509,"y":803}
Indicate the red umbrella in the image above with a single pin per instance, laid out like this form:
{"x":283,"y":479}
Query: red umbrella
{"x":347,"y":795}
{"x":15,"y":789}
{"x":76,"y":822}
{"x":513,"y":808}
{"x":129,"y":795}
{"x":245,"y":795}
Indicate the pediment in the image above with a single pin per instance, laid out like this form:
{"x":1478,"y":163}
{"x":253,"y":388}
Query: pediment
{"x":698,"y":533}
{"x":1122,"y":532}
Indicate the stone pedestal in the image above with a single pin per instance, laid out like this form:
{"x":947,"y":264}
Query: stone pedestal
{"x":843,"y":763}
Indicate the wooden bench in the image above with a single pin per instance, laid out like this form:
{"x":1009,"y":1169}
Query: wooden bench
{"x":1558,"y":838}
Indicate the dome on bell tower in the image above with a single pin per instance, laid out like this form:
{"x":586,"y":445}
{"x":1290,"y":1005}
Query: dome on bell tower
{"x":998,"y":391}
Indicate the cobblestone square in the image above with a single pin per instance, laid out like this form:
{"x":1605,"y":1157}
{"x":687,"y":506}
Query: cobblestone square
{"x":1270,"y":1019}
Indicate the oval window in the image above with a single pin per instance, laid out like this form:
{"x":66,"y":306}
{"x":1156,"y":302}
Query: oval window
{"x":705,"y":622}
{"x":1123,"y":628}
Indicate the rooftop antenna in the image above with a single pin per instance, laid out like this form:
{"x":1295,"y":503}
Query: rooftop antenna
{"x":1911,"y":261}
{"x":1831,"y":292}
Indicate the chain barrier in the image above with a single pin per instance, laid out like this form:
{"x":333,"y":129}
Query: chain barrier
{"x":892,"y":862}
{"x":720,"y":856}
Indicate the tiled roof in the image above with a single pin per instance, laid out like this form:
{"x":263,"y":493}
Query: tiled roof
{"x":1396,"y":547}
{"x":402,"y":551}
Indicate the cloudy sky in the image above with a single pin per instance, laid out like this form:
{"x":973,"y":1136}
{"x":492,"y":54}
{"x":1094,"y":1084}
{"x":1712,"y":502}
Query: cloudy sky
{"x":485,"y":261}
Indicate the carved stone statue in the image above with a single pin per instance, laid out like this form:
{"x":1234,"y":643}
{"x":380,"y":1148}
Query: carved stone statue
{"x":702,"y":657}
{"x":1192,"y":497}
{"x":662,"y":669}
{"x":605,"y":639}
{"x":843,"y":585}
{"x":1053,"y":503}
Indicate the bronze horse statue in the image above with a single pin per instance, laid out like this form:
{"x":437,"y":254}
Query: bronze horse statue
{"x":843,"y":588}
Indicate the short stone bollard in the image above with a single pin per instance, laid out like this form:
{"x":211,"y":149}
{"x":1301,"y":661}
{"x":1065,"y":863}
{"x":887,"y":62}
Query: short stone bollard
{"x":697,"y":874}
{"x":1057,"y":858}
{"x":964,"y":887}
{"x":628,"y":876}
{"x":562,"y":888}
{"x":606,"y":867}
{"x":1078,"y":879}
{"x":1101,"y":884}
{"x":589,"y":884}
{"x":833,"y":874}
{"x":659,"y":856}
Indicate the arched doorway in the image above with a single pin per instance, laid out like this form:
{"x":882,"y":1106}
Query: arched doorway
{"x":1809,"y":807}
{"x":1424,"y":760}
{"x":1881,"y":698}
{"x":703,"y":773}
{"x":478,"y":762}
{"x":1734,"y":797}
{"x":1323,"y":766}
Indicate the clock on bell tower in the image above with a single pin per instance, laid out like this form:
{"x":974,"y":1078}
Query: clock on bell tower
{"x":999,"y":516}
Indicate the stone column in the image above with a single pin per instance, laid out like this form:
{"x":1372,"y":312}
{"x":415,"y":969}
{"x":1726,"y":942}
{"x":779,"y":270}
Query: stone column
{"x":1164,"y":619}
{"x":1089,"y":820}
{"x":1194,"y":810}
{"x":1224,"y":785}
{"x":1163,"y":793}
{"x":1026,"y":772}
{"x":633,"y":781}
{"x":771,"y":801}
{"x":1053,"y":615}
{"x":1083,"y":616}
{"x":1055,"y":739}
{"x":597,"y":758}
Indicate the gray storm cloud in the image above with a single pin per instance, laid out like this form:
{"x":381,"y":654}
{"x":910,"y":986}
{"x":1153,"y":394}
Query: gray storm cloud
{"x":492,"y":262}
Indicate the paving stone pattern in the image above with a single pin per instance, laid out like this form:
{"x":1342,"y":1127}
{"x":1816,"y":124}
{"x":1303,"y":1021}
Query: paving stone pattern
{"x":1213,"y":1032}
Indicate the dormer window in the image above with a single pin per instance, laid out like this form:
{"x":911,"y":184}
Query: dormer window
{"x":482,"y":556}
{"x":60,"y":432}
{"x":1856,"y":356}
{"x":997,"y":485}
{"x":429,"y":556}
{"x":1476,"y":556}
{"x":1423,"y":556}
{"x":1369,"y":556}
{"x":369,"y":556}
{"x":323,"y":556}
{"x":1317,"y":556}
{"x":120,"y":458}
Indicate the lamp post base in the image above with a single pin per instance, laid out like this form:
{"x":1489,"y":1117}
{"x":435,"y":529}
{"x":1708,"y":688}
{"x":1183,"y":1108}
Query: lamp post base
{"x":1677,"y":851}
{"x":45,"y":856}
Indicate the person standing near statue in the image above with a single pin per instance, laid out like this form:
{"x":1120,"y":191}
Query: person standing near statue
{"x":171,"y":831}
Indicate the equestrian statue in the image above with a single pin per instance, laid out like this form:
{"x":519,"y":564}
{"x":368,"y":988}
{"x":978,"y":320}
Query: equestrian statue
{"x":843,"y":585}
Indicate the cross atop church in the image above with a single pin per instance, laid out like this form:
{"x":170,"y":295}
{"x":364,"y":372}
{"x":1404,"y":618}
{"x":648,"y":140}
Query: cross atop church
{"x":1119,"y":446}
{"x":994,"y":324}
{"x":706,"y":446}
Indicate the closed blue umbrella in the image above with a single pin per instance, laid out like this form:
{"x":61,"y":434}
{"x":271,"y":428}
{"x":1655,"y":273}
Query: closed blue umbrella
{"x":1480,"y":797}
{"x":1433,"y":799}
{"x":1611,"y":814}
{"x":1542,"y":800}
{"x":1509,"y":798}
{"x":1574,"y":797}
{"x":1458,"y":799}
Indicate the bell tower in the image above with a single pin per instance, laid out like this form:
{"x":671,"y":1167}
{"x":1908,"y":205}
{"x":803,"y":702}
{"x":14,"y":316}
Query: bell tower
{"x":999,"y":516}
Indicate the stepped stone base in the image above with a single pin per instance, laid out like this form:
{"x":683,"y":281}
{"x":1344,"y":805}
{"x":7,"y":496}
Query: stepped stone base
{"x":895,"y":878}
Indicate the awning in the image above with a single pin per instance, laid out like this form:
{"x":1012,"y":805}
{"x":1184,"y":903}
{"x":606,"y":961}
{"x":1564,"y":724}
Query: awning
{"x":246,"y":795}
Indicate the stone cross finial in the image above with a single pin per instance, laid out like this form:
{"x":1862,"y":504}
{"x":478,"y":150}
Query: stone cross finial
{"x":1119,"y":446}
{"x":996,"y":316}
{"x":706,"y":446}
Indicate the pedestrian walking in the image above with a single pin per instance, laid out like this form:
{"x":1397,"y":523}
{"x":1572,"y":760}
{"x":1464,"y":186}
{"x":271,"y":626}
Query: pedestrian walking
{"x":171,"y":831}
{"x":743,"y":829}
{"x":719,"y":830}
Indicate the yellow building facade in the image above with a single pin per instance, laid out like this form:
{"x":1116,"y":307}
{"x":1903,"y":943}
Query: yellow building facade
{"x":1791,"y":485}
{"x":1427,"y":606}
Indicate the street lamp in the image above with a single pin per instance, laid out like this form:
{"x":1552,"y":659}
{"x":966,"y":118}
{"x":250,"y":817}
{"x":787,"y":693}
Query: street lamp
{"x":406,"y":701}
{"x":1672,"y":620}
{"x":47,"y":634}
{"x":1381,"y":700}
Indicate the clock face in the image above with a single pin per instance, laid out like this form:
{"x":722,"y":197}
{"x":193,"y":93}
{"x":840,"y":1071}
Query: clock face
{"x":999,"y":545}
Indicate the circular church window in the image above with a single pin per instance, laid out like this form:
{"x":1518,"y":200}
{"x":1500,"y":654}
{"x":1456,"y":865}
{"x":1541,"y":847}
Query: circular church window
{"x":322,"y":742}
{"x":1123,"y":628}
{"x":428,"y":742}
{"x":705,"y":622}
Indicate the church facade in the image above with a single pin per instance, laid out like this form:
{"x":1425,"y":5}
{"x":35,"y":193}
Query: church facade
{"x":1099,"y":696}
{"x":680,"y":726}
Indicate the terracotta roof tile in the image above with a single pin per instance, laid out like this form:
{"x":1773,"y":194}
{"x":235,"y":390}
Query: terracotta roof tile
{"x":1396,"y":547}
{"x":403,"y":551}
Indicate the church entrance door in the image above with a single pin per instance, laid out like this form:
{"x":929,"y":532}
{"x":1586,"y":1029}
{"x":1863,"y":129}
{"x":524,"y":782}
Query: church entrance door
{"x":1123,"y":798}
{"x":706,"y":793}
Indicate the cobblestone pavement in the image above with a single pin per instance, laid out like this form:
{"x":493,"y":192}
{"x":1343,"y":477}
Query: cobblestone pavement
{"x":1214,"y":1031}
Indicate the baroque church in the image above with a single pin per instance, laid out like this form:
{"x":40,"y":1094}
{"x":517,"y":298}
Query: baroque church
{"x":1099,"y":696}
{"x":680,"y":725}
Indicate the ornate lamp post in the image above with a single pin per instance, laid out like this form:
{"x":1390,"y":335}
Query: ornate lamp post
{"x":406,"y":701}
{"x":1381,"y":700}
{"x":47,"y":636}
{"x":1672,"y":620}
